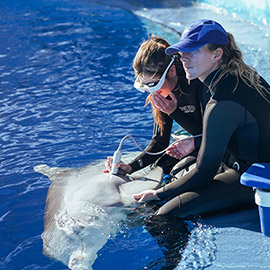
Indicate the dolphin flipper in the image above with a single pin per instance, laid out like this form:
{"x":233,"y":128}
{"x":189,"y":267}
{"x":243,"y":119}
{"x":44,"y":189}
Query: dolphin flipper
{"x":53,"y":172}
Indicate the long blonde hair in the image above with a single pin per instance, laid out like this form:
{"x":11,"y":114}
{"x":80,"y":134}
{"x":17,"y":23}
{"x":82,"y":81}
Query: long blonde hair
{"x":151,"y":61}
{"x":232,"y":62}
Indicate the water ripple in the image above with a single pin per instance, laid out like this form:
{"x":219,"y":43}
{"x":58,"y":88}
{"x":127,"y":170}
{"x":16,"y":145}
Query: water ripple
{"x":66,"y":99}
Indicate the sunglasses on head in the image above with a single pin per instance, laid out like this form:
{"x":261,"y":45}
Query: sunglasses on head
{"x":153,"y":86}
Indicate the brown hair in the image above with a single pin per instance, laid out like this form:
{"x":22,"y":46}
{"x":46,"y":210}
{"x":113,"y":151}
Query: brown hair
{"x":232,"y":62}
{"x":151,"y":61}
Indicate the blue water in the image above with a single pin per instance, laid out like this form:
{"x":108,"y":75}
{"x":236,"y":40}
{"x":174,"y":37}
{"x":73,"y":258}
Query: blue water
{"x":67,"y":99}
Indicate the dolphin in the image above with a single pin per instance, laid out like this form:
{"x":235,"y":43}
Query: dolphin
{"x":85,"y":207}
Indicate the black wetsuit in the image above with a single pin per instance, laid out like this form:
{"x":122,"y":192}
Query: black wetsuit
{"x":236,"y":121}
{"x":192,"y":100}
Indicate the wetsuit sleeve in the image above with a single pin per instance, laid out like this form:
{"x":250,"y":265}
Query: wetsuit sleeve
{"x":158,"y":143}
{"x":193,"y":126}
{"x":220,"y":121}
{"x":188,"y":113}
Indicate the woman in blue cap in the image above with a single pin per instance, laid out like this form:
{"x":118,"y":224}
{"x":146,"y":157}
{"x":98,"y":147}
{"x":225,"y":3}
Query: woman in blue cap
{"x":163,"y":77}
{"x":236,"y":125}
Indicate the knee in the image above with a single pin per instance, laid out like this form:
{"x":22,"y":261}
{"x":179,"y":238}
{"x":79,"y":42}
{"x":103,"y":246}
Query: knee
{"x":172,"y":207}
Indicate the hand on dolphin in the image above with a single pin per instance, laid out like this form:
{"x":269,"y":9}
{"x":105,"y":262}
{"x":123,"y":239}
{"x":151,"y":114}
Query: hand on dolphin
{"x":147,"y":195}
{"x":123,"y":168}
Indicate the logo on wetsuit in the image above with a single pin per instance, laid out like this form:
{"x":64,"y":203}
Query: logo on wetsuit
{"x":188,"y":109}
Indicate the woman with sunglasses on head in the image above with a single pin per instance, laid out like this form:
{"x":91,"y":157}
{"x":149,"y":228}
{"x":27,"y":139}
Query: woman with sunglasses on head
{"x":172,"y":98}
{"x":236,"y":126}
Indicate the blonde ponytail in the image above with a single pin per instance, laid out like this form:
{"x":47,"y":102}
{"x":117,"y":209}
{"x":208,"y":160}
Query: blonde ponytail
{"x":232,"y":62}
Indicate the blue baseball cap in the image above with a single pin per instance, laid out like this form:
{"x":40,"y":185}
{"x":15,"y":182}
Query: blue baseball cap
{"x":198,"y":34}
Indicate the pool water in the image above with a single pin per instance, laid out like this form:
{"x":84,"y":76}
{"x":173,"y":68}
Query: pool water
{"x":67,"y":99}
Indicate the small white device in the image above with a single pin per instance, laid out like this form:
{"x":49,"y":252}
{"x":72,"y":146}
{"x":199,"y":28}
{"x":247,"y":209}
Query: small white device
{"x":116,"y":159}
